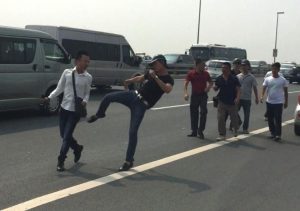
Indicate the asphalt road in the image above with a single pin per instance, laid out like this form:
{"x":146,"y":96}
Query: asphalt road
{"x":249,"y":173}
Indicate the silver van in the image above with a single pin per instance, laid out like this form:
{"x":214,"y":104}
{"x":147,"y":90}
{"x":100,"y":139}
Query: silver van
{"x":31,"y":63}
{"x":112,"y":58}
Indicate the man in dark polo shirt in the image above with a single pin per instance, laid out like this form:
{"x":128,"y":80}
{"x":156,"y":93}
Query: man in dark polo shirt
{"x":201,"y":84}
{"x":229,"y":97}
{"x":157,"y":81}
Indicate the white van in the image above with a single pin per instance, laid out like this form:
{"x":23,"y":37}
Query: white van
{"x":112,"y":58}
{"x":31,"y":63}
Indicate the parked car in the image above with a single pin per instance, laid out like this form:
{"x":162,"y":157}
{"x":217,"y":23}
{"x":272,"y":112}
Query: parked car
{"x":31,"y":63}
{"x":297,"y":118}
{"x":214,"y":68}
{"x":286,"y":69}
{"x":259,"y":67}
{"x":293,"y":75}
{"x":179,"y":63}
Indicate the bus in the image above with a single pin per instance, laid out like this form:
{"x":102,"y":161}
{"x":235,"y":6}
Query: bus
{"x":217,"y":52}
{"x":112,"y":58}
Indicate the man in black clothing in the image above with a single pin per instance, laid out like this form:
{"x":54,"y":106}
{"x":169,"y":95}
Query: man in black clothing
{"x":229,"y":96}
{"x":157,"y":82}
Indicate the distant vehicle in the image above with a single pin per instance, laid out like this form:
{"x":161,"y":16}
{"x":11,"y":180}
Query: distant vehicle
{"x":259,"y":67}
{"x":31,"y":63}
{"x":112,"y":58}
{"x":146,"y":59}
{"x":297,"y":118}
{"x":286,"y":70}
{"x":214,"y":68}
{"x":215,"y":51}
{"x":291,"y":63}
{"x":294,"y":75}
{"x":179,"y":63}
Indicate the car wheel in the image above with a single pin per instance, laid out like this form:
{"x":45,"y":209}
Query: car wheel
{"x":297,"y":129}
{"x":53,"y":106}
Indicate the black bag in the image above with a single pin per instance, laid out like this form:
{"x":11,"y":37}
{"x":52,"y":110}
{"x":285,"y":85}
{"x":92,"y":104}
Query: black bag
{"x":80,"y":110}
{"x":216,"y":101}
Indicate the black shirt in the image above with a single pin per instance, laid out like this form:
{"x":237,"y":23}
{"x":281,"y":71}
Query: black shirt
{"x":150,"y":91}
{"x":227,"y":88}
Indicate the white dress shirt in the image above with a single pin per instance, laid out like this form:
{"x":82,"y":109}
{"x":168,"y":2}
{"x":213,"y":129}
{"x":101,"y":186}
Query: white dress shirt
{"x":65,"y":85}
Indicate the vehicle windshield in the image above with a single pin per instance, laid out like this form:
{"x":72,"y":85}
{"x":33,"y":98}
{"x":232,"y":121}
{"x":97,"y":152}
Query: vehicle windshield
{"x":287,"y":66}
{"x":254,"y":63}
{"x":171,"y":58}
{"x":200,"y":52}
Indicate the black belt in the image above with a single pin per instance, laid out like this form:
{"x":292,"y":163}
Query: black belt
{"x":141,"y":98}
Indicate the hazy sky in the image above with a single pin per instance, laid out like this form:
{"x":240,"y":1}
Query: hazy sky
{"x":170,"y":26}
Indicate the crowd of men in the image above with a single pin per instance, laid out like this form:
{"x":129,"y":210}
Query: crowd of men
{"x":234,"y":92}
{"x":235,"y":87}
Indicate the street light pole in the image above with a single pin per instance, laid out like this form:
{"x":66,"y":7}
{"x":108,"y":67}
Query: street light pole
{"x":199,"y":22}
{"x":275,"y":52}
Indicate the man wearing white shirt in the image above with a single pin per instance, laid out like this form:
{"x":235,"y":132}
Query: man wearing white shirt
{"x":68,"y":118}
{"x":277,"y":98}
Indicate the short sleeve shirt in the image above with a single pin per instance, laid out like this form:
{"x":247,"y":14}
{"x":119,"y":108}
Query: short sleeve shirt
{"x":227,"y":88}
{"x":247,"y":83}
{"x":198,"y":80}
{"x":151,"y":91}
{"x":275,"y":89}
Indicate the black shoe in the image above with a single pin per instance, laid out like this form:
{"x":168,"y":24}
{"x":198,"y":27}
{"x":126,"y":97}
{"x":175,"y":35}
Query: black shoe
{"x":271,"y":136}
{"x":192,"y":135}
{"x":60,"y":166}
{"x":92,"y":118}
{"x":277,"y":138}
{"x":77,"y":153}
{"x":126,"y":166}
{"x":201,"y":135}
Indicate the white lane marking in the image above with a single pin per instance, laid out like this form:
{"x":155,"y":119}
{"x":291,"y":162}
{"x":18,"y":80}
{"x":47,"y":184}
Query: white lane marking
{"x":120,"y":175}
{"x":185,"y":105}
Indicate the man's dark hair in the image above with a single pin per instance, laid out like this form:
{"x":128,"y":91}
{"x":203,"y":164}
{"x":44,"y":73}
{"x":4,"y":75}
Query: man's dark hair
{"x":198,"y":61}
{"x":276,"y":65}
{"x":80,"y":54}
{"x":227,"y":64}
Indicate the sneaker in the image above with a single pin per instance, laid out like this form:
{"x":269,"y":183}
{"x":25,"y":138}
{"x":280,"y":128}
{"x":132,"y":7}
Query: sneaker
{"x":221,"y":138}
{"x":92,"y":119}
{"x":77,"y":153}
{"x":126,"y":166}
{"x":60,"y":166}
{"x":245,"y":132}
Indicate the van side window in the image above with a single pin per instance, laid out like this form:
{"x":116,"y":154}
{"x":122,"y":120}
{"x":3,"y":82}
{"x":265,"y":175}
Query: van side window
{"x":128,"y":55}
{"x":16,"y":50}
{"x":97,"y":51}
{"x":53,"y":52}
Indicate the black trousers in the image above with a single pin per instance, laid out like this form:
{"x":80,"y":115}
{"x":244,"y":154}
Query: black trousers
{"x":198,"y":101}
{"x":275,"y":118}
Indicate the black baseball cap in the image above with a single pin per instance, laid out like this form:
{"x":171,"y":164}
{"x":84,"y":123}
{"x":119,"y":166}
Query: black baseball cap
{"x":159,"y":58}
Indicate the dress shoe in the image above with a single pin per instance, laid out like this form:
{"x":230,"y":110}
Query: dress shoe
{"x":126,"y":166}
{"x":77,"y":153}
{"x":201,"y":135}
{"x":60,"y":166}
{"x":92,"y":118}
{"x":192,"y":135}
{"x":277,"y":138}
